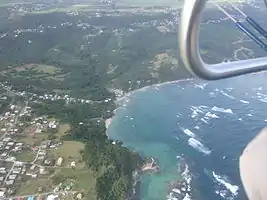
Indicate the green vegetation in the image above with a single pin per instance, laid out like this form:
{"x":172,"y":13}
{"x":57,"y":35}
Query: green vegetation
{"x":31,"y":186}
{"x":84,"y":56}
{"x":81,"y":179}
{"x":99,"y":153}
{"x":70,"y":151}
{"x":26,"y":156}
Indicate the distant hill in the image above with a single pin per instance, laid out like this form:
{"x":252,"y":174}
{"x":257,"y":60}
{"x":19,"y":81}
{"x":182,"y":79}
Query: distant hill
{"x":171,"y":3}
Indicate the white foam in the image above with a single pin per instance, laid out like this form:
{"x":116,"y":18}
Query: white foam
{"x":218,"y":109}
{"x":175,"y":190}
{"x":212,"y":94}
{"x":227,"y":95}
{"x":188,"y":132}
{"x":194,"y":114}
{"x":263,"y":100}
{"x":187,"y":197}
{"x":198,"y":146}
{"x":200,"y":86}
{"x":232,"y":188}
{"x":211,"y":115}
{"x":243,"y":101}
{"x":205,"y":121}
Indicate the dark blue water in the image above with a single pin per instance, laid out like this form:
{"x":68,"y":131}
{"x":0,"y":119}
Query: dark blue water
{"x":153,"y":120}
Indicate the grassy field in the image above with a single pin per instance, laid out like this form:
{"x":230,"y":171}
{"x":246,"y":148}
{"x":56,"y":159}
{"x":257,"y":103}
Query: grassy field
{"x":83,"y":180}
{"x":63,"y":129}
{"x":72,"y":8}
{"x":40,"y":68}
{"x":69,"y":151}
{"x":46,"y":69}
{"x":28,"y":138}
{"x":36,"y":140}
{"x":26,"y":156}
{"x":31,"y":186}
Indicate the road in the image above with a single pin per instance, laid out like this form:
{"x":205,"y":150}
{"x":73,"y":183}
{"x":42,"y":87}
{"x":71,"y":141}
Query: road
{"x":9,"y":172}
{"x":36,"y":157}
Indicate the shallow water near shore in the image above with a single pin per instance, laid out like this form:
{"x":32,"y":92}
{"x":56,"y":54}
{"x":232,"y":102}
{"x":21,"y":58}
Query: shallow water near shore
{"x":209,"y":124}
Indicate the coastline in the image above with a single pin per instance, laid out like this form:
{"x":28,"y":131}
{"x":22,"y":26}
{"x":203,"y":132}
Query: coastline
{"x":122,"y":96}
{"x":149,"y":165}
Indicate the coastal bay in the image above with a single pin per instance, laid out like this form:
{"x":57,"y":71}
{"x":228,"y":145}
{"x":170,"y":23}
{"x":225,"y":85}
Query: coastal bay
{"x":179,"y":123}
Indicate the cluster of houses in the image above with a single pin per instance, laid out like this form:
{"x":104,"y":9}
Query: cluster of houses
{"x":7,"y":146}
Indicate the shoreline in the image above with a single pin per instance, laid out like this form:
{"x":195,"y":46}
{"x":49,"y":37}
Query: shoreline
{"x":127,"y":94}
{"x":121,"y":96}
{"x":148,"y":166}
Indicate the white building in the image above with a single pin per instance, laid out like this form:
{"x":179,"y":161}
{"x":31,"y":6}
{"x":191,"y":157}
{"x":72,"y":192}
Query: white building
{"x":52,"y":197}
{"x":59,"y":161}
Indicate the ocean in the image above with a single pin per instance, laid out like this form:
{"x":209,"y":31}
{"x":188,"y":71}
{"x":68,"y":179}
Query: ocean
{"x":203,"y":124}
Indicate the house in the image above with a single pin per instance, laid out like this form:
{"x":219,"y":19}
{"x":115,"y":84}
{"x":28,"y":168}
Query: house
{"x":10,"y":143}
{"x":12,"y":177}
{"x":4,"y":154}
{"x":41,"y":157}
{"x":32,"y":167}
{"x":16,"y":171}
{"x":7,"y":147}
{"x":59,"y":161}
{"x":10,"y":182}
{"x":79,"y":196}
{"x":42,"y":153}
{"x":18,"y":164}
{"x":47,"y":162}
{"x":42,"y":170}
{"x":73,"y":164}
{"x":34,"y":175}
{"x":6,"y":139}
{"x":52,"y":197}
{"x":2,"y":194}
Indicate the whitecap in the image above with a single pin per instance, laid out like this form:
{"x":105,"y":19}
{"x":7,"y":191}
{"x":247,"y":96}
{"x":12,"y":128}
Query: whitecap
{"x":200,"y":86}
{"x":232,"y":188}
{"x":198,"y":146}
{"x":218,"y":109}
{"x":188,"y":132}
{"x":227,"y":95}
{"x":175,"y":190}
{"x":205,"y":121}
{"x":211,"y":115}
{"x":187,"y":197}
{"x":263,"y":100}
{"x":243,"y":101}
{"x":212,"y":94}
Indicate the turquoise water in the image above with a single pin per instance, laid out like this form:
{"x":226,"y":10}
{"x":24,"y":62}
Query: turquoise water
{"x":223,"y":115}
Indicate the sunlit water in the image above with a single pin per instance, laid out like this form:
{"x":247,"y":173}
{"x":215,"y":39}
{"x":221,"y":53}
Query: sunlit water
{"x":209,"y":124}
